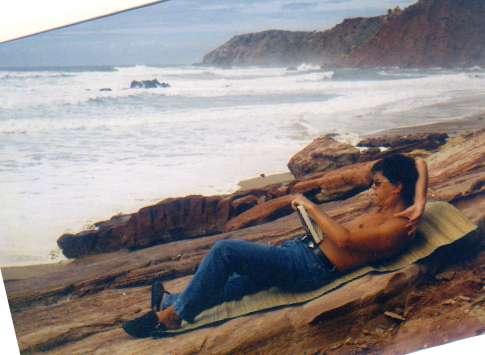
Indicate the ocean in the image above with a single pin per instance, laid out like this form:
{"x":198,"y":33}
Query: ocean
{"x":71,"y":155}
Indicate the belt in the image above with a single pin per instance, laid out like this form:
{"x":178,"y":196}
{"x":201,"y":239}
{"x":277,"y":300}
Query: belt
{"x":308,"y":241}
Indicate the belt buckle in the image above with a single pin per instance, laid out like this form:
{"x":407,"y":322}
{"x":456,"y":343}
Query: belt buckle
{"x":308,"y":240}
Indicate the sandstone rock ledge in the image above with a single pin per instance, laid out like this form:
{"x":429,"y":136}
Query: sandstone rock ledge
{"x":78,"y":308}
{"x":325,"y":171}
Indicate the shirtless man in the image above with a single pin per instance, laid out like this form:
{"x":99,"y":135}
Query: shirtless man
{"x":234,"y":268}
{"x":382,"y":232}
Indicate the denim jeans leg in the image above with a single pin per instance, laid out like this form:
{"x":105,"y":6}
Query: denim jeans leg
{"x":263,"y":265}
{"x":309,"y":271}
{"x":236,"y":287}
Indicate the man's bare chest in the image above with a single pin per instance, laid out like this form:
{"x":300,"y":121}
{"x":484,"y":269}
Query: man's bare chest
{"x":367,"y":221}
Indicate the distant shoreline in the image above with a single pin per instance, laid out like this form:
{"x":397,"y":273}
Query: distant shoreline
{"x":452,"y":127}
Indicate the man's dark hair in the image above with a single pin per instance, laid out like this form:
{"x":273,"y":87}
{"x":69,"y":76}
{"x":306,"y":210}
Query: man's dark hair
{"x":399,"y":169}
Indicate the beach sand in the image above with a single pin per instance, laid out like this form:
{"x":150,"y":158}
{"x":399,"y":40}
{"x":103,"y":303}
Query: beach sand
{"x":262,"y":181}
{"x":12,"y":273}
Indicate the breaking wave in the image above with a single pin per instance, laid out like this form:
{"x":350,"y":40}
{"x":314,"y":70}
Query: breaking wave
{"x":24,"y":76}
{"x":308,"y":67}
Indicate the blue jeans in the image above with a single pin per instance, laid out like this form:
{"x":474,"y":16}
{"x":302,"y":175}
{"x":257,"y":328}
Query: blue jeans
{"x":234,"y":268}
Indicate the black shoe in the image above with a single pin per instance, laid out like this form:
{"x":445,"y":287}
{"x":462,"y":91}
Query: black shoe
{"x":142,"y":327}
{"x":157,"y":295}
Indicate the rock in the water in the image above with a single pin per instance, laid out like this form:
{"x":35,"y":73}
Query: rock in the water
{"x":105,"y":89}
{"x":323,"y":154}
{"x":148,"y":84}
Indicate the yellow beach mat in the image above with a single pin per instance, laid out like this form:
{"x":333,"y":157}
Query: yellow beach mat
{"x":441,"y":225}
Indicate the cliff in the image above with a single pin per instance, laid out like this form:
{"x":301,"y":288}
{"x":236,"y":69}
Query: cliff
{"x":286,"y":48}
{"x":430,"y":33}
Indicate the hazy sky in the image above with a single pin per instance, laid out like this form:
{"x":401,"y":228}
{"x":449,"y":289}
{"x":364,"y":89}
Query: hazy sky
{"x":179,"y":31}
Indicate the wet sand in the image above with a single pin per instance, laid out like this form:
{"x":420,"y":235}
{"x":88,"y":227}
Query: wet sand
{"x":12,"y":273}
{"x":262,"y":181}
{"x":452,"y":127}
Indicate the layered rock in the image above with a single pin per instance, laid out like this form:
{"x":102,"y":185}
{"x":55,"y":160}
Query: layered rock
{"x":339,"y":183}
{"x":457,"y":174}
{"x":430,"y":33}
{"x":351,"y":319}
{"x":331,"y":175}
{"x":169,"y":220}
{"x":428,"y":141}
{"x":79,"y":307}
{"x":261,"y":213}
{"x":106,"y":236}
{"x":193,"y":217}
{"x":323,"y":154}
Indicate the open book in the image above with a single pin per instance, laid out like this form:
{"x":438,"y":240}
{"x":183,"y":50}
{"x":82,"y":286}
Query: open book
{"x":311,"y":228}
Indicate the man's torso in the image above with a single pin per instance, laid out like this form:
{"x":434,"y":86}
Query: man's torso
{"x":345,"y":259}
